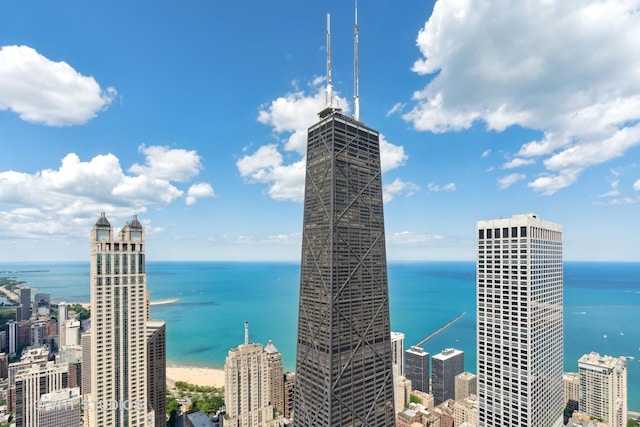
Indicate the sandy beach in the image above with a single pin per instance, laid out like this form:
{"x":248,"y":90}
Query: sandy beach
{"x":195,"y":375}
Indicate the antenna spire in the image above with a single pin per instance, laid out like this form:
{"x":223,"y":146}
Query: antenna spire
{"x":246,"y":333}
{"x":356,"y":94}
{"x":329,"y":87}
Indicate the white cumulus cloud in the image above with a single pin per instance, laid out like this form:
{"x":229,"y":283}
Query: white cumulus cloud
{"x":198,"y":191}
{"x":435,"y":188}
{"x":636,"y":185}
{"x":517,"y":162}
{"x":410,"y":237}
{"x":398,"y":188}
{"x":265,"y":166}
{"x":175,"y":164}
{"x":508,"y":180}
{"x":43,"y":91}
{"x":66,"y":200}
{"x":281,"y":167}
{"x":568,"y":69}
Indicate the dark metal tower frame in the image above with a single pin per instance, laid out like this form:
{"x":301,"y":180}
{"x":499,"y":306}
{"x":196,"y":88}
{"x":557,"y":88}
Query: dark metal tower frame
{"x":344,"y":363}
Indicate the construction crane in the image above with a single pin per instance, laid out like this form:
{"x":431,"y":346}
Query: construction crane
{"x":445,"y":326}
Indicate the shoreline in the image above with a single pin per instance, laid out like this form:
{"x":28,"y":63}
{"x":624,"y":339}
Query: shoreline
{"x":197,"y":375}
{"x":10,"y":295}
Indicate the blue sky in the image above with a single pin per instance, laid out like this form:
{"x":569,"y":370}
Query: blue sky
{"x":193,"y":115}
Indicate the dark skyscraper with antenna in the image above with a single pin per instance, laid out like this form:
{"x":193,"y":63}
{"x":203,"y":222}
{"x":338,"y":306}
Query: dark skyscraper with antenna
{"x":344,"y":371}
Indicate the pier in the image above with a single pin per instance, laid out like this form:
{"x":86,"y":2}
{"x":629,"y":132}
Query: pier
{"x":442,"y":328}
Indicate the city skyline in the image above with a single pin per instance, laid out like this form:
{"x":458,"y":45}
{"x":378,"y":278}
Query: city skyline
{"x":194,"y":116}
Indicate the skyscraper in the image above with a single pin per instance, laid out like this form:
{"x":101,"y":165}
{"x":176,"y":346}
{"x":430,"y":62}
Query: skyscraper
{"x":344,"y":363}
{"x":344,"y":374}
{"x":118,"y":334}
{"x":246,"y":387}
{"x":275,"y":374}
{"x":157,"y":369}
{"x":397,"y":350}
{"x":33,"y":381}
{"x":444,"y":368}
{"x":23,"y":312}
{"x":63,"y":314}
{"x":603,"y":388}
{"x":519,"y":327}
{"x":417,"y":368}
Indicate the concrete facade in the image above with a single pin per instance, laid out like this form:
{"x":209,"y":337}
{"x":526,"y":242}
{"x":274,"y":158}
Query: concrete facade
{"x":246,"y":389}
{"x":118,"y":333}
{"x":603,"y":388}
{"x":519,"y":322}
{"x":466,"y":384}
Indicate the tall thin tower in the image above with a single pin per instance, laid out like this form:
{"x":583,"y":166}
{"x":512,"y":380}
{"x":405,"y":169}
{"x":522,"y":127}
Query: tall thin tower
{"x":344,"y":374}
{"x":519,"y":328}
{"x":118,"y":394}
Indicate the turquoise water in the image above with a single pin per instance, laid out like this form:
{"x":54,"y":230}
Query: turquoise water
{"x":602,"y":306}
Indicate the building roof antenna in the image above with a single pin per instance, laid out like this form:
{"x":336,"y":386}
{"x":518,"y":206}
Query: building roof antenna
{"x":356,"y":94}
{"x":329,"y":87}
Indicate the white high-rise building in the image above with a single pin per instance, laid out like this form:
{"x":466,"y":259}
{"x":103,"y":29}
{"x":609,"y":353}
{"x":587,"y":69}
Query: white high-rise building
{"x":63,"y":314}
{"x":603,"y":388}
{"x":31,"y":382}
{"x":397,"y":352}
{"x":72,"y":333}
{"x":247,"y":385}
{"x":519,"y":326}
{"x":118,"y":339}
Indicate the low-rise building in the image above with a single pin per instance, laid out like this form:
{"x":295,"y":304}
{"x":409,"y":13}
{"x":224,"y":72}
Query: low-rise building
{"x":571,"y":389}
{"x":466,"y":384}
{"x":466,"y":410}
{"x":423,"y":398}
{"x":403,"y":393}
